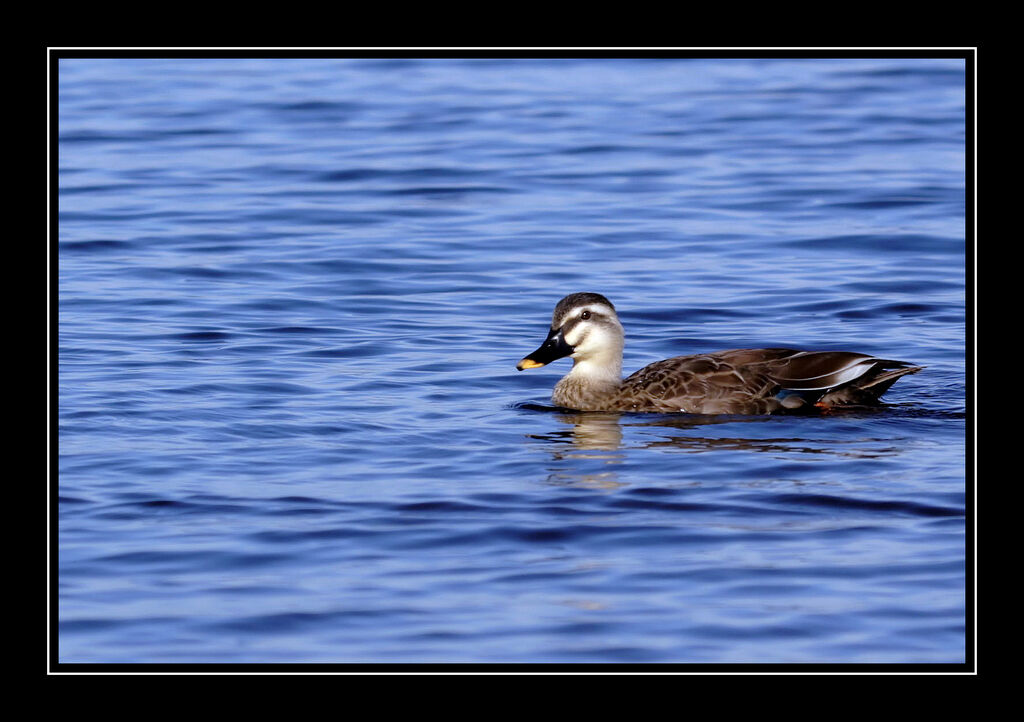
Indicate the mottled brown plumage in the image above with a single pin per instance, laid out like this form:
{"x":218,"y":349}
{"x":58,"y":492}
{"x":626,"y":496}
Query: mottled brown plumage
{"x":742,"y":381}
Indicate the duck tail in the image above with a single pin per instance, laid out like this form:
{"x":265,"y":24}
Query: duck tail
{"x":868,"y":389}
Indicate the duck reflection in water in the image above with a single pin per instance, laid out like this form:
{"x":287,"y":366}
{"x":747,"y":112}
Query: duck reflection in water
{"x":589,"y":437}
{"x":604,"y":432}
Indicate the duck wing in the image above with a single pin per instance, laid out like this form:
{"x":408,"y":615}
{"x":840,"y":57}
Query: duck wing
{"x":761,"y":381}
{"x":838,"y":378}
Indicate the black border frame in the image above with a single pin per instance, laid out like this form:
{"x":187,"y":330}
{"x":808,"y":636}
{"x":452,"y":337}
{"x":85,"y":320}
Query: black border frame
{"x":53,"y":666}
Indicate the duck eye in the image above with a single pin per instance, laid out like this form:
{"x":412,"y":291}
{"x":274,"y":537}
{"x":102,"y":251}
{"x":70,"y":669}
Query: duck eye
{"x":585,"y":315}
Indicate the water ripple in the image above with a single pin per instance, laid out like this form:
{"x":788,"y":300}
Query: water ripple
{"x":292,"y":294}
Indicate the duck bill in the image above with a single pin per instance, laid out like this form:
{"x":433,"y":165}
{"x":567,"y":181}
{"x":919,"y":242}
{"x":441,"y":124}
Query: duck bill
{"x":553,"y":348}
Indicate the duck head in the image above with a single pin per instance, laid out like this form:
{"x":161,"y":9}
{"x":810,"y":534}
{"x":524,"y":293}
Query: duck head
{"x":585,"y":327}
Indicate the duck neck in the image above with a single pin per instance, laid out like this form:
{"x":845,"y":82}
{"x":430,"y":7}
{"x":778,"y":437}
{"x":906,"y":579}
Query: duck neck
{"x":599,"y":371}
{"x":587,"y":382}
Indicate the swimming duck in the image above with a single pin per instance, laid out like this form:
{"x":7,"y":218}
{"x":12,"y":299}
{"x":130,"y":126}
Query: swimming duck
{"x":742,"y":381}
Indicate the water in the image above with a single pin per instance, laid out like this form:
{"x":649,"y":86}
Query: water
{"x":292,"y":294}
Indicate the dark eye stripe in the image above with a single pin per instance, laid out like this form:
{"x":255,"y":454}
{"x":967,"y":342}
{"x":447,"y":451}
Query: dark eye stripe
{"x":569,"y":326}
{"x":587,"y":315}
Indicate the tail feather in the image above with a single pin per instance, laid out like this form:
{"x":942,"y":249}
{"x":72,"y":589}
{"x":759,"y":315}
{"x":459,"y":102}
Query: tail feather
{"x":868,"y":389}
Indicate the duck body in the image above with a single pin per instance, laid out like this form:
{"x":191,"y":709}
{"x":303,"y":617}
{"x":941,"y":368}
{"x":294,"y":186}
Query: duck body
{"x":740,"y":381}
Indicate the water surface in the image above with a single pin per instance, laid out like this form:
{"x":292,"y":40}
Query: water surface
{"x":292,"y":294}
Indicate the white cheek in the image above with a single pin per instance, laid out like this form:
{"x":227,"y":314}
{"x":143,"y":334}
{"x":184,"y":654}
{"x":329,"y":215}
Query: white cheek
{"x":589,"y":340}
{"x":575,"y":335}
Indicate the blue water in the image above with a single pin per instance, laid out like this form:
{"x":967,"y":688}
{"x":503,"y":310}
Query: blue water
{"x":291,"y":298}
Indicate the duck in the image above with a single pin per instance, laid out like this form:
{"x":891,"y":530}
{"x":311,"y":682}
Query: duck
{"x":586,"y":327}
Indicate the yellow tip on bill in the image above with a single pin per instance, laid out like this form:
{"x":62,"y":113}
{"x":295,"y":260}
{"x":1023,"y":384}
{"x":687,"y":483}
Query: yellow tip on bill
{"x":527,"y":363}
